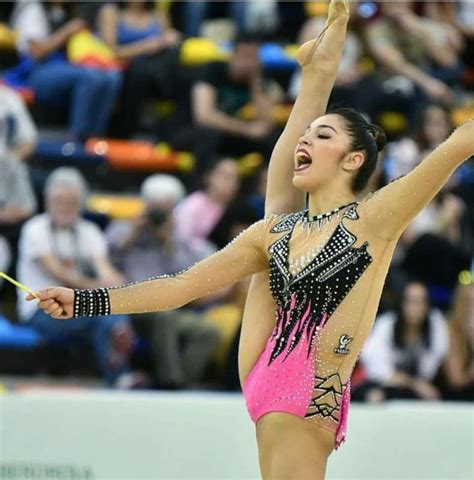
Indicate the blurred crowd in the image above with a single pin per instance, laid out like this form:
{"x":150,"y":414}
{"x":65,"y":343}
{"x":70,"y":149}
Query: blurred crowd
{"x":409,"y":66}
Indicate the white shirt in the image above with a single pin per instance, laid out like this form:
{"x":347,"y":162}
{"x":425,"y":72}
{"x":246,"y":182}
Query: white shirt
{"x":37,"y":239}
{"x":29,"y":19}
{"x":16,"y":125}
{"x":381,"y":357}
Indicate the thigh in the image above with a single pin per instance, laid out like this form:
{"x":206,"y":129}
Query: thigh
{"x":292,"y":448}
{"x":53,"y":82}
{"x":53,"y":330}
{"x":257,"y":323}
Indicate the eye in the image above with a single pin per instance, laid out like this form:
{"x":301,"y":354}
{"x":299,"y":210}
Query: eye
{"x":323,"y":136}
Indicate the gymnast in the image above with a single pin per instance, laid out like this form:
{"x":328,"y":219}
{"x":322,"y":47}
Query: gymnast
{"x":321,"y":269}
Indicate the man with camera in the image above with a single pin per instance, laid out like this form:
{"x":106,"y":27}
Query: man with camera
{"x":181,"y":342}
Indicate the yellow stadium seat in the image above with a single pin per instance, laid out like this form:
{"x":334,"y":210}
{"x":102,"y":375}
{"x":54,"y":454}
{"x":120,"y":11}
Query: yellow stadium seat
{"x":198,"y":51}
{"x":119,"y":207}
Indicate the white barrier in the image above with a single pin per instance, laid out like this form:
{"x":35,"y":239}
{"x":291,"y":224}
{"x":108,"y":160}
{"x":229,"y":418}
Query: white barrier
{"x":135,"y":436}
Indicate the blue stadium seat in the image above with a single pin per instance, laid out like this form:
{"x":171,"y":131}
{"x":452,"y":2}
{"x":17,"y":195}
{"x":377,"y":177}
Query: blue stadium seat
{"x":17,"y":336}
{"x":67,"y":152}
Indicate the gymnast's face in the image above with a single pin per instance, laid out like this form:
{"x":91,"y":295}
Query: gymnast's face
{"x":64,"y":206}
{"x":322,"y":154}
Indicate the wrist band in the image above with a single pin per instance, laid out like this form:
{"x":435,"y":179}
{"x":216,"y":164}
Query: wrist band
{"x":91,"y":303}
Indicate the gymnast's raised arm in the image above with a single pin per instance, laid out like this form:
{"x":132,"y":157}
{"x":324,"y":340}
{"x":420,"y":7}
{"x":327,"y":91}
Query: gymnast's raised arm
{"x":319,"y":60}
{"x":242,"y":257}
{"x":389,"y":210}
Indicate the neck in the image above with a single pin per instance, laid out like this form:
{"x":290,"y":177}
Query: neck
{"x":328,"y":198}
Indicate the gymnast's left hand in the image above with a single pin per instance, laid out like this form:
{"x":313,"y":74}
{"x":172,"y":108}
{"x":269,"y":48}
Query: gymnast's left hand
{"x":58,"y":302}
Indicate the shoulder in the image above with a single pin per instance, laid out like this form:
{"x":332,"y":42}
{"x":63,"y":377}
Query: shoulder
{"x":282,"y":222}
{"x":88,"y":228}
{"x":37,"y":223}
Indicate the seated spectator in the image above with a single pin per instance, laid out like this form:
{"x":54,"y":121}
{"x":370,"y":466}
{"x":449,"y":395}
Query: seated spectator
{"x":405,"y":350}
{"x":59,"y":247}
{"x":144,"y":40}
{"x":194,"y":13}
{"x":181,"y":342}
{"x":17,"y":142}
{"x":223,"y":89}
{"x":221,"y":185}
{"x":417,"y":49}
{"x":44,"y":30}
{"x":458,"y":368}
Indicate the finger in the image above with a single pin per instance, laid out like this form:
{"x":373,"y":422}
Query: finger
{"x":45,"y":304}
{"x":54,"y":306}
{"x":47,"y":293}
{"x":57,"y":313}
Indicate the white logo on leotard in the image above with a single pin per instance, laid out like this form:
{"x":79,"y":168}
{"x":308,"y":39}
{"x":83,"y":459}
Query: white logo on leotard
{"x":344,"y":340}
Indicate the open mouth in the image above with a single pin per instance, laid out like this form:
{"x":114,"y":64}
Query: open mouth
{"x":303,"y":160}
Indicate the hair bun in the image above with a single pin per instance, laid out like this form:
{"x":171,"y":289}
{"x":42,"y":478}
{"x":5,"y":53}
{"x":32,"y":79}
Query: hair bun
{"x":379,"y":136}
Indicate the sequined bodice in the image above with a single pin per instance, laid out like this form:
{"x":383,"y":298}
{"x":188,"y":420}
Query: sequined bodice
{"x":319,"y":287}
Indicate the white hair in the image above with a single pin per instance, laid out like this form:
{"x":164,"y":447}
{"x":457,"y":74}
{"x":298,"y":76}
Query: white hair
{"x":160,"y":188}
{"x":66,"y":177}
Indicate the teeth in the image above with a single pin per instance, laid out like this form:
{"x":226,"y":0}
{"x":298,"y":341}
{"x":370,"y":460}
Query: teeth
{"x":302,"y":158}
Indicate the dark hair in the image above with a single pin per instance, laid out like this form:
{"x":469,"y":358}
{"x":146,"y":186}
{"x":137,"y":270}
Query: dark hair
{"x":400,"y":323}
{"x":147,"y":5}
{"x":366,"y":137}
{"x":420,"y":135}
{"x":248,"y":37}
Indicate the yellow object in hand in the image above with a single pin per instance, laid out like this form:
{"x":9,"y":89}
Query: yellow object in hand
{"x":18,"y":284}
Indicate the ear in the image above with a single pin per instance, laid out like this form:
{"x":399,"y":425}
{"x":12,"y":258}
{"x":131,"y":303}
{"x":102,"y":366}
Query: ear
{"x":353,"y":161}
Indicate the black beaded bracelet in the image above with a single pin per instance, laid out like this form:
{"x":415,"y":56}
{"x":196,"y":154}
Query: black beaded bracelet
{"x":91,"y":303}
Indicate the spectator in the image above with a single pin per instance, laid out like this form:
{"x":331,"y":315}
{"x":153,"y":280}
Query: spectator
{"x":17,"y":142}
{"x":224,"y":88}
{"x":44,"y":30}
{"x":405,"y":349}
{"x":417,"y":49}
{"x":144,"y":40}
{"x":59,"y":247}
{"x":180,"y":340}
{"x":221,"y":185}
{"x":458,"y":367}
{"x":195,"y":12}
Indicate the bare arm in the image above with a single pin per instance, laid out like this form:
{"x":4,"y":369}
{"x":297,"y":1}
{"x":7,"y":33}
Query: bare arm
{"x":39,"y":49}
{"x":319,"y":60}
{"x":390,"y":209}
{"x":65,"y":276}
{"x":207,"y":114}
{"x":390,"y":57}
{"x":107,"y":26}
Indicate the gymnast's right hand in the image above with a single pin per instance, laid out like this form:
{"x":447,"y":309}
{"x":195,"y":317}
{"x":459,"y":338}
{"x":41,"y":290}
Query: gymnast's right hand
{"x":58,"y":302}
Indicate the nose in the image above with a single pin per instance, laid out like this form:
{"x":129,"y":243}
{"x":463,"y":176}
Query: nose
{"x":303,"y":140}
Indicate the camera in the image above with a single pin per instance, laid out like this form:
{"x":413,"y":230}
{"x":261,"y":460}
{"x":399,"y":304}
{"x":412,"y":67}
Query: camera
{"x":157,"y":217}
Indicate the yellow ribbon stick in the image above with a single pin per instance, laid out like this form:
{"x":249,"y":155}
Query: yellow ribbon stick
{"x":18,"y":284}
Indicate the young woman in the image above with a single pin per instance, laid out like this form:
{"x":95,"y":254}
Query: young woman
{"x":406,"y":348}
{"x":326,"y":266}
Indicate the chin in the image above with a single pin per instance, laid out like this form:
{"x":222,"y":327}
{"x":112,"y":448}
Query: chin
{"x":303,"y":184}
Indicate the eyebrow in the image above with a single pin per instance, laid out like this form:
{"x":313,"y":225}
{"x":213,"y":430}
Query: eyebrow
{"x":327,"y":126}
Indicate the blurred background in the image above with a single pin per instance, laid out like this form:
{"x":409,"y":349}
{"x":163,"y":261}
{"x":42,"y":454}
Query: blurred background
{"x":134,"y":141}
